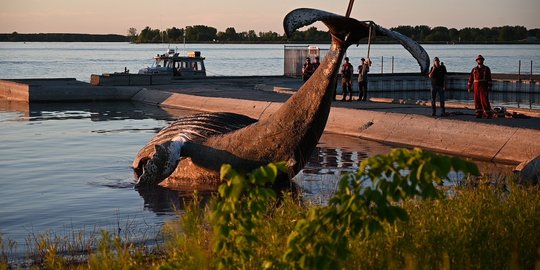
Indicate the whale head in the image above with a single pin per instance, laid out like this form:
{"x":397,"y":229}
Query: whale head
{"x":162,"y":164}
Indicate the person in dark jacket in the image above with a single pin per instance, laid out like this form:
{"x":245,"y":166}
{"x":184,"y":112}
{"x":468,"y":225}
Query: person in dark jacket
{"x":363,"y":70}
{"x":437,"y":74}
{"x":307,"y":69}
{"x":346,"y":79}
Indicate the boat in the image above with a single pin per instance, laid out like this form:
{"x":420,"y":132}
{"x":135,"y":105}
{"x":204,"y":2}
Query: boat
{"x":166,"y":68}
{"x":179,"y":67}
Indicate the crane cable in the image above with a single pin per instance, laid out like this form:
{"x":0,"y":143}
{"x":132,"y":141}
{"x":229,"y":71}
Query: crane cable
{"x":369,"y":43}
{"x":347,"y":14}
{"x":349,"y":8}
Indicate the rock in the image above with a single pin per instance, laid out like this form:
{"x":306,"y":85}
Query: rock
{"x":528,"y":172}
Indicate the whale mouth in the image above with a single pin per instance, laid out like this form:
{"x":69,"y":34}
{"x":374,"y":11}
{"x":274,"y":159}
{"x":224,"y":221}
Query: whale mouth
{"x":161,"y":165}
{"x":151,"y":173}
{"x":146,"y":179}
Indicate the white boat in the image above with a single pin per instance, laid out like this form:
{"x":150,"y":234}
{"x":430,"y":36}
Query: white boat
{"x":180,"y":67}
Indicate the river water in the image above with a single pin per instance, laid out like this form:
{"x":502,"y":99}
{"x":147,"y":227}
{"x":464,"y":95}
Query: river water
{"x":66,"y":166}
{"x":79,"y":60}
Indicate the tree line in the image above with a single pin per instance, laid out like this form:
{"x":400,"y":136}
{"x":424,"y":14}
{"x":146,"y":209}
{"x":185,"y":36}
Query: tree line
{"x":422,"y":34}
{"x":208,"y":34}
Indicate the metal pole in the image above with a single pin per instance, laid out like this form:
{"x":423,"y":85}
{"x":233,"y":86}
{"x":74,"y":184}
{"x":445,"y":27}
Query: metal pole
{"x":369,"y":42}
{"x":382,"y":64}
{"x":349,"y":8}
{"x":519,"y":71}
{"x":531,"y":79}
{"x":392,"y":65}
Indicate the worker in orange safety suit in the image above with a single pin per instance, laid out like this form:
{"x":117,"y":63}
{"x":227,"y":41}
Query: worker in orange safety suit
{"x":480,"y":79}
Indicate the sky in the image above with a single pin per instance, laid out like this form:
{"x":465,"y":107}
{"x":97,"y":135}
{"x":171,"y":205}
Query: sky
{"x":117,"y":16}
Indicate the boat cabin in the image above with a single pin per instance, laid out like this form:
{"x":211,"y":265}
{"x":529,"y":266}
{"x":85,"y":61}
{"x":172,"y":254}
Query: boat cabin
{"x":180,"y":67}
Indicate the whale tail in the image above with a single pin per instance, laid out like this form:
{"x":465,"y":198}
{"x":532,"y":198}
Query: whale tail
{"x":351,"y":31}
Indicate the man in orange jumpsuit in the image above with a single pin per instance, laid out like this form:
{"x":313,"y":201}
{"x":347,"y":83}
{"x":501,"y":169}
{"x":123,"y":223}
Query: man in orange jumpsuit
{"x":480,"y":78}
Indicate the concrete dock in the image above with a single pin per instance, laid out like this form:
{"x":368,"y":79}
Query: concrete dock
{"x":512,"y":141}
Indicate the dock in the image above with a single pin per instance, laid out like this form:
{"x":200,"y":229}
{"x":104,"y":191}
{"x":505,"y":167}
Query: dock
{"x":512,"y":141}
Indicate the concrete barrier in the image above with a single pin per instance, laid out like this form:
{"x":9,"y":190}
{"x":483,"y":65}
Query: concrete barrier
{"x":14,"y":91}
{"x":62,"y":89}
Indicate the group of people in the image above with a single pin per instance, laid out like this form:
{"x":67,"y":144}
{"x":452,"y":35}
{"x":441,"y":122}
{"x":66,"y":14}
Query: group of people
{"x":479,"y":82}
{"x":347,"y":71}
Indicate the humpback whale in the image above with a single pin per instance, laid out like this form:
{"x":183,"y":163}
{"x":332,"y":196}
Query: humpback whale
{"x":190,"y":151}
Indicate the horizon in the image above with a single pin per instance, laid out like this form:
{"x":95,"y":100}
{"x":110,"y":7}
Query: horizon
{"x":222,"y":30}
{"x":104,"y":17}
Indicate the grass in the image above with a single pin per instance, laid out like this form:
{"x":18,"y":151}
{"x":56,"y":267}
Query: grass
{"x":481,"y":228}
{"x":478,"y":226}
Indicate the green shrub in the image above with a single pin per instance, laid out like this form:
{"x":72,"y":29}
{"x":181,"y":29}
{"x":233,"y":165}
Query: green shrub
{"x":243,"y":202}
{"x":365,"y":202}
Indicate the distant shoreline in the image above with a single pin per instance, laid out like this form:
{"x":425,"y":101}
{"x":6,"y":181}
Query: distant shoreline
{"x":73,"y":37}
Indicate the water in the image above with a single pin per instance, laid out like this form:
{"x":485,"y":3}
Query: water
{"x":80,"y":60}
{"x":66,"y":168}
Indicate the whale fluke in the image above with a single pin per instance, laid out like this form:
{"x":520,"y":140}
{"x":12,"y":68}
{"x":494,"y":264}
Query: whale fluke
{"x":305,"y":16}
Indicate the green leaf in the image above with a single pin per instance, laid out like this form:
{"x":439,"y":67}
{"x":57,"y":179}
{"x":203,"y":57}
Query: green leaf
{"x":225,"y":170}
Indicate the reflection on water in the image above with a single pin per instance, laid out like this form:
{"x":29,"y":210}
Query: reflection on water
{"x":164,"y":201}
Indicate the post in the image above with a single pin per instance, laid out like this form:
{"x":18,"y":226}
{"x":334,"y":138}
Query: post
{"x":392,"y":65}
{"x":531,"y":77}
{"x":382,"y":64}
{"x":349,"y":8}
{"x":519,"y":71}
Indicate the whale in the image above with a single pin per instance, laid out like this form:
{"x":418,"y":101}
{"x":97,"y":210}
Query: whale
{"x":189,"y":152}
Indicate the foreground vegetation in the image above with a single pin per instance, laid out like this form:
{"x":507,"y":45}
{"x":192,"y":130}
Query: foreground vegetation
{"x":392,"y":214}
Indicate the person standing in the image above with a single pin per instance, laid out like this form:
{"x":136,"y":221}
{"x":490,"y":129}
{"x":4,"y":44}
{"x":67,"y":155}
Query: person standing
{"x":480,"y":80}
{"x":316,"y":64}
{"x":307,"y":69}
{"x":437,"y":74}
{"x":363,"y":70}
{"x":346,"y":79}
